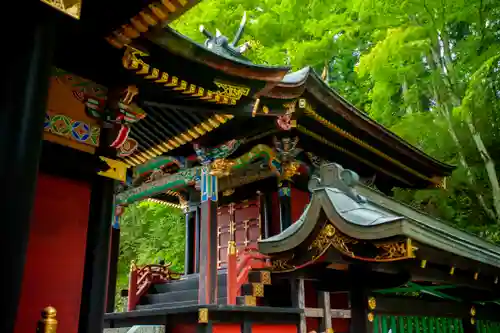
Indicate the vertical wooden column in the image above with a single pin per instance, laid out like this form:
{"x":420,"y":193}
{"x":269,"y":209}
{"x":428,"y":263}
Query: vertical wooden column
{"x":324,"y":302}
{"x":22,"y":111}
{"x":190,"y":241}
{"x":285,"y":201}
{"x":207,"y":292}
{"x":197,"y":230}
{"x":358,"y":299}
{"x":95,"y":272}
{"x":114,"y":252}
{"x":231,"y":283}
{"x":265,"y":214}
{"x":299,"y":301}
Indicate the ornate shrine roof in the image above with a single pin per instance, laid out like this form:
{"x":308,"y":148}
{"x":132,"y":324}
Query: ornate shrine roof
{"x":365,"y":225}
{"x":209,"y":94}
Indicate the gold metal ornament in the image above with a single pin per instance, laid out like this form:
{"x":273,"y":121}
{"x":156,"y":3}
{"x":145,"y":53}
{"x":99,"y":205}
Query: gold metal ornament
{"x":221,"y":167}
{"x":473,"y":311}
{"x":48,"y":322}
{"x":371,"y":317}
{"x":372,"y":303}
{"x":203,"y":316}
{"x":423,"y":263}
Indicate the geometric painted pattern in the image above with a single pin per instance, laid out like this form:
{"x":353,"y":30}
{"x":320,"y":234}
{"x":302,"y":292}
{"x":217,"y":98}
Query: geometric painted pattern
{"x":76,"y":130}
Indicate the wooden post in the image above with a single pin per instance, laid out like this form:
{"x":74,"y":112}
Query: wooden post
{"x":285,"y":192}
{"x":232,"y":274}
{"x":265,"y":214}
{"x":324,"y":302}
{"x":190,"y":240}
{"x":207,"y":291}
{"x":23,"y":106}
{"x":197,"y":230}
{"x":132,"y":287}
{"x":101,"y":212}
{"x":299,"y":301}
{"x":48,"y":322}
{"x":114,"y":252}
{"x":358,"y":297}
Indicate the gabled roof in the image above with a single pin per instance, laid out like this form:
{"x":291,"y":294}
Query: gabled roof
{"x":183,"y":79}
{"x":330,"y":111}
{"x":365,"y":216}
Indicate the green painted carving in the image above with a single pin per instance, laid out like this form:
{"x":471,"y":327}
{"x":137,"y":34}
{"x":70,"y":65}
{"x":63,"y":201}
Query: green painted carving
{"x":177,"y":180}
{"x":258,"y":152}
{"x":206,"y":156}
{"x":190,"y":176}
{"x":157,"y":163}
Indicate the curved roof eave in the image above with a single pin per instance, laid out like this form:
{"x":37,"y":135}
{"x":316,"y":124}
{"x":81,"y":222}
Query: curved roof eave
{"x":308,"y":80}
{"x":362,"y":213}
{"x":179,"y":44}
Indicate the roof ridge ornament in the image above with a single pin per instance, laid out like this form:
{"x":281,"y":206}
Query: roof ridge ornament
{"x":220,"y":43}
{"x":334,"y":175}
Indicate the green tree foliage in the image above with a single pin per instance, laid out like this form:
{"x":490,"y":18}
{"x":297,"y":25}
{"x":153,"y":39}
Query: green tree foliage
{"x":427,"y":69}
{"x":149,"y":232}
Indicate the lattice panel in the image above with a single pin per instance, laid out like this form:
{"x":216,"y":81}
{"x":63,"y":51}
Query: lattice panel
{"x":413,"y":324}
{"x":246,"y":226}
{"x":485,"y":326}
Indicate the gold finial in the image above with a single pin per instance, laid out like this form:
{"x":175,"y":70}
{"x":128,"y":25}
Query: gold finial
{"x":48,"y":322}
{"x":476,"y":275}
{"x":133,"y":266}
{"x":371,"y":317}
{"x":452,"y":270}
{"x":423,"y":263}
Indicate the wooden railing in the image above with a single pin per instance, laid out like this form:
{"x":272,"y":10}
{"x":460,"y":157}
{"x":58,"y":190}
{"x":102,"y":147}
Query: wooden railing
{"x":48,"y":322}
{"x":141,"y":278}
{"x":238,"y":267}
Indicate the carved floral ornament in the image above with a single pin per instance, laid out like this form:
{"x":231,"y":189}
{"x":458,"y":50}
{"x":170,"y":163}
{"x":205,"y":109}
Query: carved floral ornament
{"x":329,"y":236}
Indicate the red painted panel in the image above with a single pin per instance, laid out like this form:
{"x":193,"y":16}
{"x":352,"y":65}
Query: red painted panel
{"x":226,"y":328}
{"x":300,"y":200}
{"x":246,"y":216}
{"x":54,"y":265}
{"x":340,"y":301}
{"x":258,"y":328}
{"x":340,"y":325}
{"x":274,"y":227}
{"x":312,"y":324}
{"x":184,"y":328}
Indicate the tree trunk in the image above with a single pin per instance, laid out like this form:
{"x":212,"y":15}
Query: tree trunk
{"x":489,"y":165}
{"x":444,"y":111}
